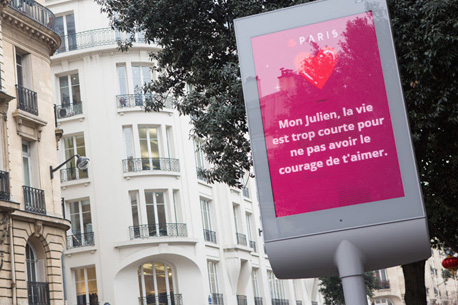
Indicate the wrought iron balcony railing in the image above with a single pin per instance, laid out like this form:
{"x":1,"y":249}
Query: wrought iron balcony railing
{"x":67,"y":111}
{"x":241,"y":239}
{"x":138,"y":100}
{"x":280,"y":302}
{"x":217,"y":299}
{"x":147,"y":164}
{"x":253,"y":245}
{"x":72,"y":173}
{"x":168,"y":229}
{"x":257,"y":300}
{"x":210,"y":236}
{"x":27,"y":100}
{"x":241,"y":300}
{"x":38,"y":293}
{"x":34,"y":200}
{"x":4,"y":185}
{"x":34,"y":11}
{"x":298,"y":302}
{"x":80,"y":240}
{"x":94,"y":38}
{"x":161,"y":298}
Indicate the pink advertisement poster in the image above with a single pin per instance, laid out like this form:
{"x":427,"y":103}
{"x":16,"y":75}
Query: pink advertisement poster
{"x":325,"y":114}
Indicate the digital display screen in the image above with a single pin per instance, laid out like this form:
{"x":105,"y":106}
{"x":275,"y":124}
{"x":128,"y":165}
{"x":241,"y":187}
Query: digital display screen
{"x":325,"y":115}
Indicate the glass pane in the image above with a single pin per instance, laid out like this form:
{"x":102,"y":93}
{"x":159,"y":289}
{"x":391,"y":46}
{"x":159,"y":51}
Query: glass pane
{"x":146,"y":71}
{"x":76,"y":97}
{"x":59,"y":26}
{"x":150,"y":216}
{"x":159,"y":197}
{"x":122,"y":79}
{"x":26,"y":167}
{"x":149,"y":279}
{"x":91,"y":273}
{"x":134,"y":207}
{"x":144,"y":149}
{"x":64,"y":91}
{"x":70,"y":20}
{"x":170,"y":276}
{"x":161,"y":217}
{"x":142,"y":132}
{"x":137,"y":79}
{"x":160,"y":282}
{"x":129,"y":142}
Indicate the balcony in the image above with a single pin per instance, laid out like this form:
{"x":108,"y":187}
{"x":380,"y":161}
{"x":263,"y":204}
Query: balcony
{"x":210,"y":236}
{"x":241,"y":239}
{"x":257,"y":300}
{"x":162,"y":298}
{"x":67,"y":111}
{"x":27,"y":100}
{"x":72,"y":173}
{"x":253,"y":245}
{"x":4,"y":186}
{"x":138,"y":100}
{"x":94,"y":38}
{"x":38,"y":293}
{"x":34,"y":200}
{"x":241,"y":300}
{"x":163,"y":230}
{"x":280,"y":302}
{"x":298,"y":302}
{"x":217,"y":299}
{"x":149,"y":164}
{"x":34,"y":11}
{"x":80,"y":240}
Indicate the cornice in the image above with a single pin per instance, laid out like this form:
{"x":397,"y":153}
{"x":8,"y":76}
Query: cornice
{"x":30,"y":27}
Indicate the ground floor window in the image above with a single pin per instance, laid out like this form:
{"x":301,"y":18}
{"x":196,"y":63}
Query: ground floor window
{"x":86,"y":286}
{"x":156,"y":284}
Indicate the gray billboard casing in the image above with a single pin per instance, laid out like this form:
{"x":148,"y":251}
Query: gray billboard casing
{"x":333,"y":158}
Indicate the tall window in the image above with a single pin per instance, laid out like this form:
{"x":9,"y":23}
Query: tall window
{"x":277,"y":291}
{"x":69,"y":90}
{"x":122,"y":78}
{"x":209,"y":235}
{"x":26,"y":163}
{"x":241,"y":238}
{"x":31,"y":263}
{"x":212,"y":277}
{"x":140,"y":75}
{"x":65,"y":27}
{"x":149,"y":147}
{"x":80,"y":216}
{"x":156,"y":284}
{"x":86,"y":286}
{"x":254,"y":279}
{"x":74,"y":145}
{"x":20,"y":69}
{"x":155,"y":213}
{"x":134,"y":208}
{"x":383,"y":278}
{"x":249,"y":231}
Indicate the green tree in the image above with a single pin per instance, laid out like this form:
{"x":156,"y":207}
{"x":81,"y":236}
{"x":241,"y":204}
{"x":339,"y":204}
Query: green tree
{"x":332,"y":291}
{"x":199,"y":50}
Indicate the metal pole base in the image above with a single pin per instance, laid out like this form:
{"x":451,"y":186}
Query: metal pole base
{"x":349,"y":261}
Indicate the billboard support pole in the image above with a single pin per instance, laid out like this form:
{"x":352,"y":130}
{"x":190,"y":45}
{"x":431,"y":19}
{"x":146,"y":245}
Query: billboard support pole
{"x":349,"y":261}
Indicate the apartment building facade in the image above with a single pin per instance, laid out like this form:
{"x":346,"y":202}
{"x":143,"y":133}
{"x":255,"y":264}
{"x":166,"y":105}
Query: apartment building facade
{"x":145,"y":227}
{"x":32,"y":227}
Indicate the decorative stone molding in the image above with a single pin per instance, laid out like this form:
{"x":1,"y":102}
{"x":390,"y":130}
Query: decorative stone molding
{"x":38,"y":228}
{"x":4,"y":228}
{"x":30,"y":27}
{"x":28,"y":126}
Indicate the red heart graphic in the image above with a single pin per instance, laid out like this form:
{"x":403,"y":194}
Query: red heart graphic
{"x":316,"y":69}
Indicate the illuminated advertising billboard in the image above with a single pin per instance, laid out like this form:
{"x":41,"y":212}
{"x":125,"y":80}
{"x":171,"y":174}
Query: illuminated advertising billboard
{"x":332,"y":153}
{"x":325,"y":114}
